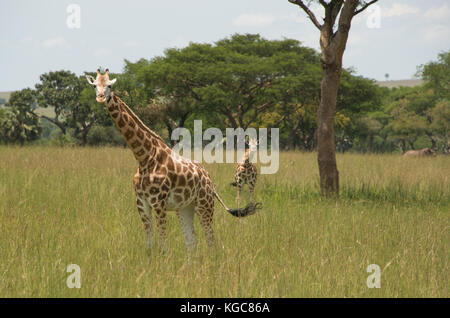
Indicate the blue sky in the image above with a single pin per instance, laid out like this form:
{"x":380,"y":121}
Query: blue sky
{"x":35,"y":38}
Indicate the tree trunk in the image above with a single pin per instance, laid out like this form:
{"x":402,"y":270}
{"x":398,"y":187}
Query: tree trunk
{"x":433,"y":140}
{"x":329,"y":175}
{"x":370,"y":143}
{"x":84,"y":137}
{"x":332,"y":45}
{"x":403,"y":145}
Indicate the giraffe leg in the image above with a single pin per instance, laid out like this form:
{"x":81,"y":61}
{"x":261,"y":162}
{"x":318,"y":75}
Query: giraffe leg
{"x":161,"y":222}
{"x":144,"y":210}
{"x":251,"y":190}
{"x":206,"y":220}
{"x":186,"y":217}
{"x":238,"y":193}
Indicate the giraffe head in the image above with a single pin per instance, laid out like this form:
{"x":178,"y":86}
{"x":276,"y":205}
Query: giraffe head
{"x":102,"y":85}
{"x":253,"y":145}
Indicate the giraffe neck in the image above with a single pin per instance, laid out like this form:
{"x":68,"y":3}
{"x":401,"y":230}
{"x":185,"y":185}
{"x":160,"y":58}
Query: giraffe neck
{"x":248,"y":156}
{"x":143,"y":142}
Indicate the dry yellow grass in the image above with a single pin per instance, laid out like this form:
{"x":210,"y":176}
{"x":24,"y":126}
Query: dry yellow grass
{"x":60,"y":206}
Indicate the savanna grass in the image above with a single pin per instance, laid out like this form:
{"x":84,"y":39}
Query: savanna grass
{"x":61,"y":206}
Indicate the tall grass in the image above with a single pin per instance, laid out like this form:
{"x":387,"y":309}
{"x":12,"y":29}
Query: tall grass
{"x":61,"y":206}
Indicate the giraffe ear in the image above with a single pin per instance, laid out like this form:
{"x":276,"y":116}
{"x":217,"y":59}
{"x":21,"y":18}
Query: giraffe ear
{"x":111,"y":82}
{"x":90,"y":79}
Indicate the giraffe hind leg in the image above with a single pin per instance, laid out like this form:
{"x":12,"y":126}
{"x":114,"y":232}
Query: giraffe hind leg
{"x":206,"y":220}
{"x":186,"y":217}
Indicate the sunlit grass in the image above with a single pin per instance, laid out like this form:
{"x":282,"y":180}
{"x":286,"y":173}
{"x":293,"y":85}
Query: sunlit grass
{"x":60,"y":206}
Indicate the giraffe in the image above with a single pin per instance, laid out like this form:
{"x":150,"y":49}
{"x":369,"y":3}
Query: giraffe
{"x":164,"y":181}
{"x":246,"y":172}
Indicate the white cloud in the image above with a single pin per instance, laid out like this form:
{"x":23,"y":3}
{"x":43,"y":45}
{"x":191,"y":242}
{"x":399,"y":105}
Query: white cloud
{"x":253,"y":20}
{"x":55,"y":42}
{"x":100,"y":52}
{"x":398,"y":9}
{"x":438,"y":13}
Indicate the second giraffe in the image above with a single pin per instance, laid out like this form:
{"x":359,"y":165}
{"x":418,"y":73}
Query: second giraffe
{"x":246,"y":172}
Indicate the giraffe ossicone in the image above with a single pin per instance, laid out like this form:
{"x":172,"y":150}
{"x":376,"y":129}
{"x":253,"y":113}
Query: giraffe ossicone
{"x":164,"y":181}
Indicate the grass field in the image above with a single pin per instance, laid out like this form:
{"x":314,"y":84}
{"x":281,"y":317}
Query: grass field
{"x":61,"y":206}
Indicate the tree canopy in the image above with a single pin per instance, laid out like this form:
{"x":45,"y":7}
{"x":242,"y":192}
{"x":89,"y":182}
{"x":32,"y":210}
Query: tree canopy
{"x":240,"y":81}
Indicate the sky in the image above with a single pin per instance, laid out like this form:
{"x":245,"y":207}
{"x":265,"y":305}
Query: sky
{"x":393,"y":37}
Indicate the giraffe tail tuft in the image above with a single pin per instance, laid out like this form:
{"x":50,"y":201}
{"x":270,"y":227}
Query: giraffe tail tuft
{"x":234,"y":184}
{"x":248,"y":210}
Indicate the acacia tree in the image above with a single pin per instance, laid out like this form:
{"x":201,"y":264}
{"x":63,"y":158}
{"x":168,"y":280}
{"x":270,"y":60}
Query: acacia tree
{"x":333,"y":40}
{"x":237,"y":80}
{"x":72,"y":102}
{"x":58,"y":90}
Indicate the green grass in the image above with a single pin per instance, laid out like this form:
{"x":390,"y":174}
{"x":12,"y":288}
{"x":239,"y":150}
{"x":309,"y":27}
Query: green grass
{"x":60,"y":206}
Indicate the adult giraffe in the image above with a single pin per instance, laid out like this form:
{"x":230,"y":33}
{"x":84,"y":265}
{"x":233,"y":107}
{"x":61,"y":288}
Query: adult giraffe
{"x":164,"y":180}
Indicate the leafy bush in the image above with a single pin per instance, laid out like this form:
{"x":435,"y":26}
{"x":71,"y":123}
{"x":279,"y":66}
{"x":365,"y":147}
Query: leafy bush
{"x":105,"y":136}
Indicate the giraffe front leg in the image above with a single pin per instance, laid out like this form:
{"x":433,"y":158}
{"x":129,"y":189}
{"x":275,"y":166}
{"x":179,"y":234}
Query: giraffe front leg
{"x":251,"y":191}
{"x":238,"y":192}
{"x":161,"y":222}
{"x":144,"y":210}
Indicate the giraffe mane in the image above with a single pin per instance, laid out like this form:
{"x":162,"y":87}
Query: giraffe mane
{"x":137,"y":119}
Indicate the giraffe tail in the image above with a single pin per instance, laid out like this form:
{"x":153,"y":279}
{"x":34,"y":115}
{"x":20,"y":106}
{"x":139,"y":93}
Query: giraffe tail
{"x":234,"y":184}
{"x":248,"y":210}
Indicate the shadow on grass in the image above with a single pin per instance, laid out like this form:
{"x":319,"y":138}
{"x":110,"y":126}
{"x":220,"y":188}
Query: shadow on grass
{"x":394,"y":193}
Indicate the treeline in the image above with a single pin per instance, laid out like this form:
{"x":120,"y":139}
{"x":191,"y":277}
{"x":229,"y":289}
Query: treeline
{"x":241,"y":81}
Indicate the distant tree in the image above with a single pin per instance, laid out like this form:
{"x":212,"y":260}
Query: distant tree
{"x":440,"y":125}
{"x":405,"y":126}
{"x":235,"y":81}
{"x":105,"y":136}
{"x":357,"y":98}
{"x":84,"y":113}
{"x":58,"y":90}
{"x":437,"y":75}
{"x":72,"y":101}
{"x":333,"y":39}
{"x":17,"y":124}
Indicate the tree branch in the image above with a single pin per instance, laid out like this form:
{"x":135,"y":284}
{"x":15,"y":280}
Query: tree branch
{"x":364,"y":7}
{"x":311,"y":15}
{"x":53,"y":121}
{"x":335,"y":9}
{"x":345,"y":19}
